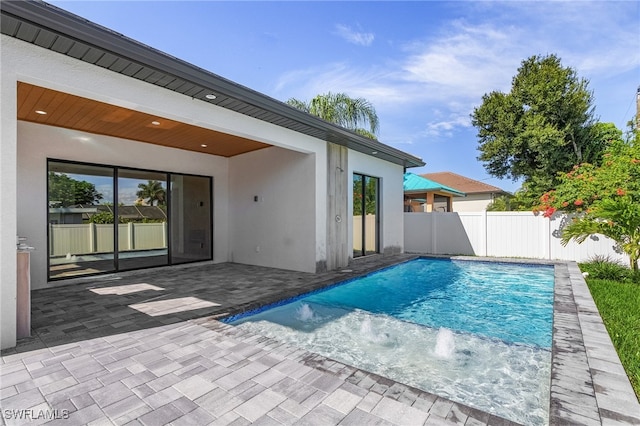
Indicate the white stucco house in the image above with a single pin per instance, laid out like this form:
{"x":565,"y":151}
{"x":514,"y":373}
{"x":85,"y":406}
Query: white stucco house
{"x":245,"y":177}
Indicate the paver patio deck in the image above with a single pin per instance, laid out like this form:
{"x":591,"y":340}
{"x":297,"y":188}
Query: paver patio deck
{"x":131,"y":349}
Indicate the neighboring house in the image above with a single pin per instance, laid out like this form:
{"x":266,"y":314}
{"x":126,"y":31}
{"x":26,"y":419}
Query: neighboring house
{"x":249,"y":179}
{"x":479,"y":194}
{"x":424,"y":195}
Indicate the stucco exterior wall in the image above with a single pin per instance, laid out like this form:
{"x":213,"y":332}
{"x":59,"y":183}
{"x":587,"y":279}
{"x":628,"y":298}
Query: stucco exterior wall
{"x":391,"y":199}
{"x":471,"y":203}
{"x":8,"y":197}
{"x":273,"y":215}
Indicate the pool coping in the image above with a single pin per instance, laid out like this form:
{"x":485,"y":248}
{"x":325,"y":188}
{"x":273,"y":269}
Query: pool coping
{"x":588,"y":383}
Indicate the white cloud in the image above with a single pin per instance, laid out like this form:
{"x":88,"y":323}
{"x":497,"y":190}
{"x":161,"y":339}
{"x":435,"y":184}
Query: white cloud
{"x":371,"y":83}
{"x":465,"y":64}
{"x":597,"y":38}
{"x":355,"y":37}
{"x":446,"y":127}
{"x":446,"y":73}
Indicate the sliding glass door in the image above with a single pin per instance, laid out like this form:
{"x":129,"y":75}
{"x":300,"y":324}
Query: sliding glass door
{"x":366,"y":218}
{"x":142,"y":219}
{"x":80,"y":219}
{"x":157,"y":218}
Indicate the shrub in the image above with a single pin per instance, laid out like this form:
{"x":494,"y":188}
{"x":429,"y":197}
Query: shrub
{"x":606,"y":268}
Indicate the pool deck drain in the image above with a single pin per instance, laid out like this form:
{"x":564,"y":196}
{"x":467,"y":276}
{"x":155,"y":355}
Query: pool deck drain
{"x":96,"y":360}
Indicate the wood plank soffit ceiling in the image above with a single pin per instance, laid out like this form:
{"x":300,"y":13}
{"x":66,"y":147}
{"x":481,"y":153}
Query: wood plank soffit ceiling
{"x":50,"y":107}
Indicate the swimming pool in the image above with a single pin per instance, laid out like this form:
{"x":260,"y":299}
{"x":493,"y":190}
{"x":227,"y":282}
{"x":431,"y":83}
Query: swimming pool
{"x":478,"y":333}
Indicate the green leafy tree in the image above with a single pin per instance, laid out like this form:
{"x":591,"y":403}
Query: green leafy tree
{"x":357,"y":197}
{"x":340,"y":109}
{"x":605,"y":198}
{"x":503,"y":203}
{"x":152,"y":192}
{"x":105,"y":217}
{"x":543,"y":126}
{"x":65,"y":191}
{"x":370,"y":196}
{"x":602,"y":135}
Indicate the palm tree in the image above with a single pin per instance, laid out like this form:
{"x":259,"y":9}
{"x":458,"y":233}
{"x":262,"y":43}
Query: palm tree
{"x":152,"y":192}
{"x":340,"y":109}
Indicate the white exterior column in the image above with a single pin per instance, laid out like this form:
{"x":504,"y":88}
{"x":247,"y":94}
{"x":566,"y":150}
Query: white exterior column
{"x":8,"y":203}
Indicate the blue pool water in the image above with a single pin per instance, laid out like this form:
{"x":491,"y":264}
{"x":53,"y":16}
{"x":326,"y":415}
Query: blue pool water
{"x":475,"y":332}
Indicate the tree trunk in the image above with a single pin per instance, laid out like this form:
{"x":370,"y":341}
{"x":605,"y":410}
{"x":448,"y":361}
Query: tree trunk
{"x":576,"y":148}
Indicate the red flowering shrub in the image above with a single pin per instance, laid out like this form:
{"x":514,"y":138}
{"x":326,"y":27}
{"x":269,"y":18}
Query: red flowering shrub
{"x":607,"y":198}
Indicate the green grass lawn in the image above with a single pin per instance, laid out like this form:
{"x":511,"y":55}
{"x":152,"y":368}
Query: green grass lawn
{"x":619,"y":306}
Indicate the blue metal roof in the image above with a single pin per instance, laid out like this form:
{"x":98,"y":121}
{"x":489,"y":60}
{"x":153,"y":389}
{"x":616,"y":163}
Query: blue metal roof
{"x":415,"y":183}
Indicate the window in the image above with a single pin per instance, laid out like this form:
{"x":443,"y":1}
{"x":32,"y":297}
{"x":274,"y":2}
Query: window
{"x":157,"y":218}
{"x":191,"y":213}
{"x":441,"y":203}
{"x":366,"y":217}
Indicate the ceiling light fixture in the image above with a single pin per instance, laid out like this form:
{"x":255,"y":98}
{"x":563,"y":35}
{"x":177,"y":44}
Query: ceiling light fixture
{"x":39,"y":111}
{"x":204,"y":145}
{"x":210,"y":96}
{"x":155,"y":123}
{"x":374,"y":152}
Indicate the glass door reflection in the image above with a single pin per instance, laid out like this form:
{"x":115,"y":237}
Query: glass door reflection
{"x":365,"y":221}
{"x":108,"y":219}
{"x":371,"y":215}
{"x":142,"y":219}
{"x":357,"y":219}
{"x":80,"y":219}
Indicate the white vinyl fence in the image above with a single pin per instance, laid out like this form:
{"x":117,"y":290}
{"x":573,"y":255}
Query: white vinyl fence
{"x":87,"y":238}
{"x":499,"y":234}
{"x":370,"y":232}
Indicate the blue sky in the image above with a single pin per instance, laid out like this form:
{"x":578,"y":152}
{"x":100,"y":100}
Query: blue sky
{"x":423,"y":64}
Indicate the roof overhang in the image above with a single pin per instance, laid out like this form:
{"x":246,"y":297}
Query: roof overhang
{"x":57,"y":30}
{"x":438,"y":191}
{"x":417,"y":185}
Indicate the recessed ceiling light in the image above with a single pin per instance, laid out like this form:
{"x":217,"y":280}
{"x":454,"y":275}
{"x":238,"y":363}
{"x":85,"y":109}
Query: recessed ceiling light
{"x":210,"y":96}
{"x":155,"y":123}
{"x":204,"y":145}
{"x":39,"y":111}
{"x":374,"y":152}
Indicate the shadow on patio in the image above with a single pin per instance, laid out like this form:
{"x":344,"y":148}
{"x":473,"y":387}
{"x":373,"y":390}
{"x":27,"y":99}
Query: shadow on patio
{"x":119,"y":303}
